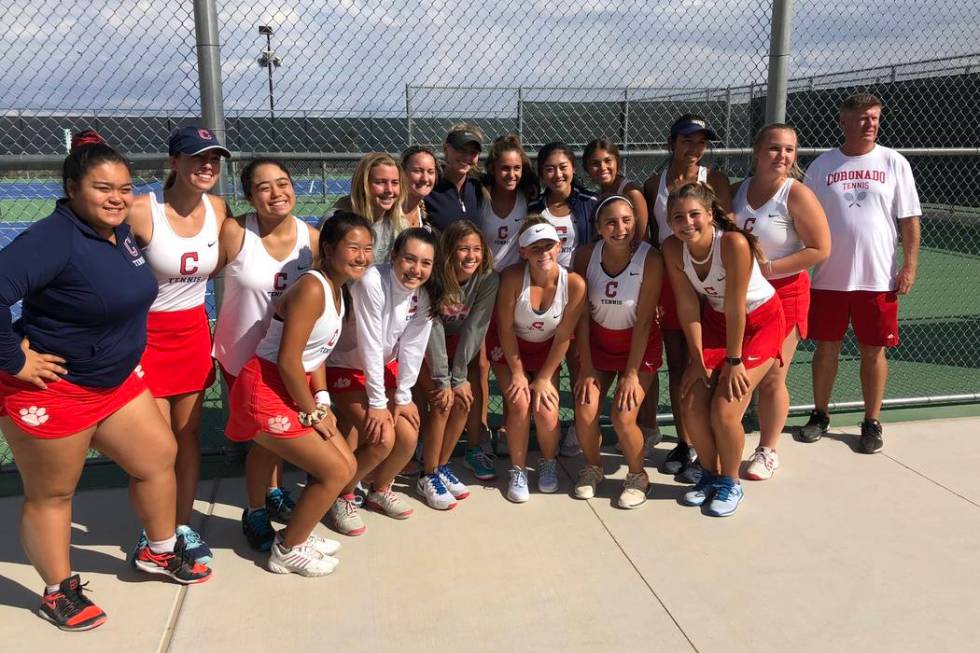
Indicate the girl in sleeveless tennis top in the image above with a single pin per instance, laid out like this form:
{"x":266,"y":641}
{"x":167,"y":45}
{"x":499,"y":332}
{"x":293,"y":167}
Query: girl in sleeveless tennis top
{"x":262,"y":254}
{"x":279,"y":403}
{"x":619,"y":342}
{"x":792,"y":230}
{"x":688,"y":140}
{"x":419,"y":173}
{"x":179,"y":238}
{"x":733,"y":323}
{"x":509,"y":185}
{"x":538,"y":307}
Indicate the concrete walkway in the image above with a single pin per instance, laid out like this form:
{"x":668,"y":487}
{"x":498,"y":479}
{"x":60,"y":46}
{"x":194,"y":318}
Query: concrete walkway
{"x":840,"y":552}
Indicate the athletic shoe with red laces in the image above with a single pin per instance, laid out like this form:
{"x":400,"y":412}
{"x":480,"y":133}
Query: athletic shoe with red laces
{"x":176,"y":564}
{"x":68,"y":608}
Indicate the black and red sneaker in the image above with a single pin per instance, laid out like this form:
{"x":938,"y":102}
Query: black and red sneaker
{"x":177,"y":564}
{"x":69,"y":609}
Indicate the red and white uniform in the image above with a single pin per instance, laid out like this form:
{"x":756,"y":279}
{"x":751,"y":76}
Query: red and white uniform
{"x":501,"y":232}
{"x":535,"y":329}
{"x":765,"y":326}
{"x":772,"y":224}
{"x":259,"y":400}
{"x":254,"y":282}
{"x":613,"y":302}
{"x":668,"y":304}
{"x":565,"y":226}
{"x":863,"y":196}
{"x":178,"y":334}
{"x":385,"y":346}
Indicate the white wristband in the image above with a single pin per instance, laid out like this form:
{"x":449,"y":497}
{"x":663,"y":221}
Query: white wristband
{"x":322,"y":397}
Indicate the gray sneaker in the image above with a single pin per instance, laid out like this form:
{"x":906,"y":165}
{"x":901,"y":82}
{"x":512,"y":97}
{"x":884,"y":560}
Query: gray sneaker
{"x":346,"y":517}
{"x":547,"y":475}
{"x":588,"y":480}
{"x":388,"y":503}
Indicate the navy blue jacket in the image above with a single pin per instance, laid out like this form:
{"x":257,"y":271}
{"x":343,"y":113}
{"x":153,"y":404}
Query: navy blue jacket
{"x":444,"y":205}
{"x":85,"y":299}
{"x":583,"y":207}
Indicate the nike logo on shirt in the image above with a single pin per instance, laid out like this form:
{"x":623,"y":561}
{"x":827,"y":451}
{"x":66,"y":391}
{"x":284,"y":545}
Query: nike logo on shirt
{"x":211,"y":244}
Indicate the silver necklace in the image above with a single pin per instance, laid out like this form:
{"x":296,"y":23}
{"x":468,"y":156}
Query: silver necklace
{"x":711,"y":249}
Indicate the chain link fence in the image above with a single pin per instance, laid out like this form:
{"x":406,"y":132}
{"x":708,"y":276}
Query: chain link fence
{"x":327,"y":81}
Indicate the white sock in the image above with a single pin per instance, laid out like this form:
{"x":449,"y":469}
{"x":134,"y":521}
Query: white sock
{"x":269,"y":490}
{"x":48,"y":589}
{"x":164,"y":546}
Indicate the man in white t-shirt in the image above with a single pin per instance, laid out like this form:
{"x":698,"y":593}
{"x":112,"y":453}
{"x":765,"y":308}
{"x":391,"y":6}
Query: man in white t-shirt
{"x":865,"y":189}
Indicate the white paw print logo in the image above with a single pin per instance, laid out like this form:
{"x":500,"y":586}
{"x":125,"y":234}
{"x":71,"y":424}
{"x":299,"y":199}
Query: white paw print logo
{"x":343,"y":382}
{"x":278,"y":424}
{"x":496,"y":354}
{"x":34,"y":416}
{"x":139,"y":372}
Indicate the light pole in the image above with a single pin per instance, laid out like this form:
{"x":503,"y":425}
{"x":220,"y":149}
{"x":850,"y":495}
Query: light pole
{"x":269,"y":60}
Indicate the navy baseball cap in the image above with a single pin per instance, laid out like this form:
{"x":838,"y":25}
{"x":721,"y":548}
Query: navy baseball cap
{"x":692,"y":126}
{"x":194,"y":140}
{"x":459,"y":138}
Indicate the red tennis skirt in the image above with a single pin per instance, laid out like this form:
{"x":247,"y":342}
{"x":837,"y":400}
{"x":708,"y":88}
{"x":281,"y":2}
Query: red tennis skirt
{"x":533,"y":354}
{"x":348,"y":379}
{"x":765,"y":330}
{"x":259,"y":402}
{"x":177,"y":359}
{"x":65,"y":408}
{"x":794,"y":293}
{"x":611,"y":348}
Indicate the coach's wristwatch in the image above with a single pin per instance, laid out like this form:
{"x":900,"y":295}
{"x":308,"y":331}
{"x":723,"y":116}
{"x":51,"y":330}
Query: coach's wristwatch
{"x":733,"y":360}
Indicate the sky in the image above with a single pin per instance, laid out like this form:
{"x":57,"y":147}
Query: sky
{"x":355,"y":57}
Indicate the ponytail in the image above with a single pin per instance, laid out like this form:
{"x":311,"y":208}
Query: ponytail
{"x":702,"y":193}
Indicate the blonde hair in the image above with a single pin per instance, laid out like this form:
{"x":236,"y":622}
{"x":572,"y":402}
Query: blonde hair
{"x":455,"y":232}
{"x":796,"y":172}
{"x":360,"y":192}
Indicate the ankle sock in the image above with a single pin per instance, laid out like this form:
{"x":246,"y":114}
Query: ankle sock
{"x":163,"y":546}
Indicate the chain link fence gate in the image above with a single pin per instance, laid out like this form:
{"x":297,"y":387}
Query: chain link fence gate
{"x":327,"y":81}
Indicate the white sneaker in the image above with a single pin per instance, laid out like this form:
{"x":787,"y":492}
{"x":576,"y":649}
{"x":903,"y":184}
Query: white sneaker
{"x":322,"y":544}
{"x":517,"y":489}
{"x":570,"y":446}
{"x":302,"y":559}
{"x":547,"y":475}
{"x":762,"y":463}
{"x":634,"y":492}
{"x":434,"y":492}
{"x":455,"y":486}
{"x":651,"y":438}
{"x":588,"y":480}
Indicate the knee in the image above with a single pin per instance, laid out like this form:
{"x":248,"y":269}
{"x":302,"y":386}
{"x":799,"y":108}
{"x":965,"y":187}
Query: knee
{"x":724,"y":414}
{"x":622,"y":421}
{"x":520,"y":406}
{"x":872,"y":354}
{"x":772,"y":383}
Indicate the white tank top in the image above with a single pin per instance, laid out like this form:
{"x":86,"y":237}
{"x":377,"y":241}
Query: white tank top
{"x":537,"y":326}
{"x":613,"y":299}
{"x":181,"y":264}
{"x":660,"y":205}
{"x":713,"y":286}
{"x":771,"y":223}
{"x":254,"y":281}
{"x":501,"y":232}
{"x":565,"y":226}
{"x":323,"y":337}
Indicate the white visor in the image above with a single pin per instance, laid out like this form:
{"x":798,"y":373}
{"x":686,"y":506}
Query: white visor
{"x":538,"y":232}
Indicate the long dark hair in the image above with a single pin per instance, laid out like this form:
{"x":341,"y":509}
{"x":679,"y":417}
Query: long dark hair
{"x":704,"y":194}
{"x":88,"y":149}
{"x":331,"y":233}
{"x":547,"y":150}
{"x":249,"y":171}
{"x":452,"y":293}
{"x":528,"y":185}
{"x":433,"y":287}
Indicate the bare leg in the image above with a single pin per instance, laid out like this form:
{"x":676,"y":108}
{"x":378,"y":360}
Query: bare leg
{"x":774,"y":396}
{"x":676,"y":349}
{"x":260,"y":466}
{"x":459,"y":418}
{"x":874,"y":374}
{"x":351,"y":407}
{"x":825,"y":361}
{"x":433,"y":426}
{"x":726,"y":423}
{"x":628,"y":431}
{"x":185,"y":421}
{"x":548,"y":429}
{"x":50,"y":470}
{"x":648,"y":411}
{"x":587,"y":422}
{"x":697,"y":420}
{"x":406,"y":437}
{"x":480,"y":382}
{"x":518,"y":414}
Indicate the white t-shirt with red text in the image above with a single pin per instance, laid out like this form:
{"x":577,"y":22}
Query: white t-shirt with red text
{"x":863,"y":197}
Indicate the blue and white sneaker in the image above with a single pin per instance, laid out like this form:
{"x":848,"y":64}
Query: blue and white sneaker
{"x":431,"y":488}
{"x":197,"y":549}
{"x":728,"y":494}
{"x":279,"y":504}
{"x":480,"y":463}
{"x":547,"y":475}
{"x":455,"y":486}
{"x":698,"y":494}
{"x":141,"y":542}
{"x":258,"y":529}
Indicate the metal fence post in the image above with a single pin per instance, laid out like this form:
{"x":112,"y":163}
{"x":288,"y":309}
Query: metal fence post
{"x":209,"y":66}
{"x":408,"y":114}
{"x":782,"y":27}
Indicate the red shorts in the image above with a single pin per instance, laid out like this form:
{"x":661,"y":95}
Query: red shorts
{"x":874,"y":316}
{"x":611,"y":348}
{"x":794,"y":293}
{"x":177,"y":359}
{"x":348,"y":379}
{"x":259,"y":402}
{"x":668,"y":308}
{"x":64,"y":408}
{"x":765,"y":330}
